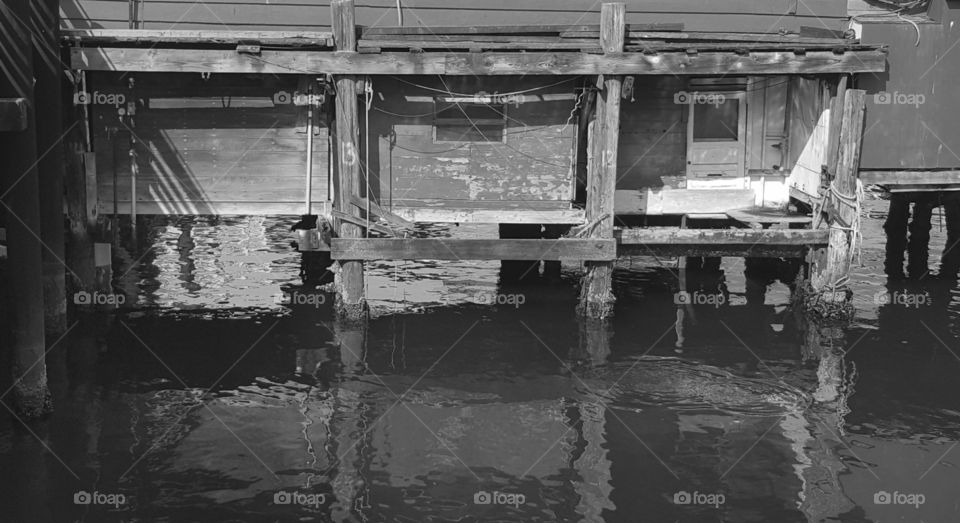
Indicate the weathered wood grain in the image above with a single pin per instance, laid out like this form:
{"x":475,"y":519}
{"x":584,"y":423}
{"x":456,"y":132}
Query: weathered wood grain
{"x":471,"y":249}
{"x":924,"y":177}
{"x":287,"y":62}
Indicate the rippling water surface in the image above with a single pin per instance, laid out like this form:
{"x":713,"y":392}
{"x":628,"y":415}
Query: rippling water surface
{"x":207,"y":399}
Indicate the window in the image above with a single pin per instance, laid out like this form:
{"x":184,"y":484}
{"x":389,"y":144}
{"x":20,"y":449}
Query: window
{"x":469,"y":122}
{"x":716,"y":122}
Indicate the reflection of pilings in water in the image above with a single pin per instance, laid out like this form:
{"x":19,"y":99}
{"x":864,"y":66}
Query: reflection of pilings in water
{"x":918,"y":246}
{"x":593,"y":465}
{"x":950,"y":261}
{"x":820,"y":467}
{"x":185,"y":246}
{"x":347,"y":431}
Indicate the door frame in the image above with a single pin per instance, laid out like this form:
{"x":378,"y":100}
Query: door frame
{"x":741,"y":96}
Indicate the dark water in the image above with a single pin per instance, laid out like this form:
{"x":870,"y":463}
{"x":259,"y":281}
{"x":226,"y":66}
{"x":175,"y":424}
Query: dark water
{"x":205,"y":400}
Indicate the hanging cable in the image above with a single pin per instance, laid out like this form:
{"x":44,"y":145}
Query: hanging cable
{"x":368,"y":100}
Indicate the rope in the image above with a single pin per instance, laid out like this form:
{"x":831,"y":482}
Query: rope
{"x":855,"y":201}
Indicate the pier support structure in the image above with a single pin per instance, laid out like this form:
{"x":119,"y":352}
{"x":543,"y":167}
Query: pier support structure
{"x":21,"y":202}
{"x":829,"y":270}
{"x":351,"y":303}
{"x":596,"y":292}
{"x":50,"y":164}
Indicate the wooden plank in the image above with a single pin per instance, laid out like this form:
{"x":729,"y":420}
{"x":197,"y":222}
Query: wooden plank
{"x":473,"y":215}
{"x":775,"y":243}
{"x":865,"y":60}
{"x":654,"y":201}
{"x":216,"y":208}
{"x":940,"y":177}
{"x":188,"y":36}
{"x":387,"y":216}
{"x":13,"y":114}
{"x":451,"y":45}
{"x":471,"y":249}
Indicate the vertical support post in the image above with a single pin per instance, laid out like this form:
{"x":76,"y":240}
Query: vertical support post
{"x":350,"y":302}
{"x":950,"y":259}
{"x":845,"y":194}
{"x":21,"y":202}
{"x":836,"y":121}
{"x":49,"y":120}
{"x":596,"y":292}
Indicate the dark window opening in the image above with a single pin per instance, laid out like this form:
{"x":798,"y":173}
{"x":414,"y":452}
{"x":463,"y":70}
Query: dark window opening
{"x":717,"y":122}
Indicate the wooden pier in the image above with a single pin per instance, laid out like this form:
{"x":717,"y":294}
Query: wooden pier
{"x":568,"y":132}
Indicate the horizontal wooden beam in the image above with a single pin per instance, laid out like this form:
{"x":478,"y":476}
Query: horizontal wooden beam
{"x":655,"y":201}
{"x":180,"y":207}
{"x":13,"y":114}
{"x":938,"y":177}
{"x":775,"y":243}
{"x":471,"y":249}
{"x":519,"y":216}
{"x":188,"y":36}
{"x":503,"y":63}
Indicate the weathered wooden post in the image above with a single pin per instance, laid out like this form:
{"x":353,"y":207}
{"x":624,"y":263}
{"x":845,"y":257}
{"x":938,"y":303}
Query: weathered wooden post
{"x":596,"y":292}
{"x":21,"y":199}
{"x":348,"y":281}
{"x":49,"y":118}
{"x":844,"y":197}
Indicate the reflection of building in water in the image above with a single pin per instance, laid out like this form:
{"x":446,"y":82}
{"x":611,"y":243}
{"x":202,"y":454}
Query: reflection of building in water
{"x":226,"y":262}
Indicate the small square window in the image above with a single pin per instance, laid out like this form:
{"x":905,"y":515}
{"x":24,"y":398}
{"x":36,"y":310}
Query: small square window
{"x":717,"y":122}
{"x":469,"y":122}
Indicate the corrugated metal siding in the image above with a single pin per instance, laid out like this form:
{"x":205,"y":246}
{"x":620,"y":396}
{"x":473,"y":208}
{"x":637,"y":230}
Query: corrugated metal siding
{"x":768,"y":16}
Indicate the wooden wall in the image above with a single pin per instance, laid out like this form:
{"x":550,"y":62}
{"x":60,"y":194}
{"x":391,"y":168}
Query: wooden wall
{"x":206,"y":147}
{"x":759,"y":16}
{"x":534,"y":165}
{"x":901,"y":134}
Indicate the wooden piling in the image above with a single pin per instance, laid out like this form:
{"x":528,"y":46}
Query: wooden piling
{"x":350,"y":304}
{"x":596,"y":292}
{"x":918,"y":244}
{"x":49,"y":120}
{"x":844,"y":195}
{"x":21,"y":193}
